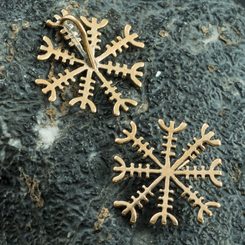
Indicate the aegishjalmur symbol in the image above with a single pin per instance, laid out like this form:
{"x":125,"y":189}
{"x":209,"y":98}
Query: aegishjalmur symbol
{"x":88,"y":66}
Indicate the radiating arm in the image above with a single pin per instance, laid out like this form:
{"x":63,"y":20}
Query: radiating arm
{"x":166,"y":199}
{"x":121,"y":42}
{"x":195,"y":200}
{"x":93,"y":32}
{"x":86,"y":91}
{"x":138,"y":143}
{"x":203,"y":173}
{"x":169,"y":145}
{"x":60,"y":82}
{"x":114,"y":95}
{"x":58,"y":53}
{"x":130,"y":207}
{"x":132,"y":170}
{"x":196,"y":148}
{"x":124,"y":70}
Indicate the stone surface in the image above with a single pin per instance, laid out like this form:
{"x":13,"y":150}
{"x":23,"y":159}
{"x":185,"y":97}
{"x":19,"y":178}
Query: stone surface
{"x":195,"y":71}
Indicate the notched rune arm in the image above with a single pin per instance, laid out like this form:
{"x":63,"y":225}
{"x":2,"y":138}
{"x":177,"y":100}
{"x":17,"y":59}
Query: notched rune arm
{"x":212,"y":172}
{"x":138,"y":143}
{"x":93,"y":33}
{"x":86,"y":91}
{"x":196,"y":201}
{"x":124,"y":70}
{"x":114,"y":95}
{"x":121,"y":42}
{"x":169,"y":145}
{"x":196,"y":148}
{"x":58,"y":53}
{"x":60,"y":82}
{"x":130,"y":207}
{"x":138,"y":170}
{"x":165,"y":205}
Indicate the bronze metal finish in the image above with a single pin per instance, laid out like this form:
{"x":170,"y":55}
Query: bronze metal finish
{"x":166,"y":172}
{"x":90,"y":66}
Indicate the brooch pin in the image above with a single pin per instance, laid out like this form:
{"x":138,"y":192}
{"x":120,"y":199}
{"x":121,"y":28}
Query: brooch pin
{"x":83,"y":35}
{"x":163,"y":173}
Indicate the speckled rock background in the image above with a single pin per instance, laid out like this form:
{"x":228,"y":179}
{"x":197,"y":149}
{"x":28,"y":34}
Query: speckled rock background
{"x":56,"y":162}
